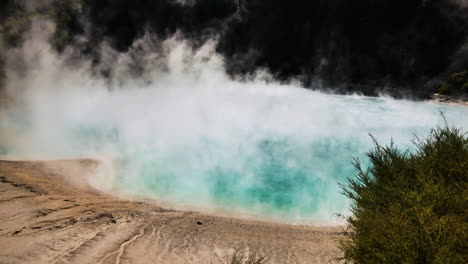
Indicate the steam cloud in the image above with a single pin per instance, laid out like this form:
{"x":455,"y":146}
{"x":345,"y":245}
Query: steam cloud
{"x":188,"y":135}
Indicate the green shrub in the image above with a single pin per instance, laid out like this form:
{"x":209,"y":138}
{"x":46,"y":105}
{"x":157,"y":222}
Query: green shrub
{"x":411,"y":207}
{"x":251,"y":259}
{"x":239,"y":258}
{"x":457,"y":84}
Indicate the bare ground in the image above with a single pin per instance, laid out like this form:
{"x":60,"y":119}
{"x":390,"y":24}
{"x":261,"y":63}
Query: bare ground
{"x":47,"y":218}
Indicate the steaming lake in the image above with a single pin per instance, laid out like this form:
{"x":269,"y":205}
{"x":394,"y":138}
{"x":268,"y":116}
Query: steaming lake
{"x":281,"y":158}
{"x":271,"y":153}
{"x":262,"y":150}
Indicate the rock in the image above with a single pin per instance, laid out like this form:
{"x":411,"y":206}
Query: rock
{"x":199,"y":222}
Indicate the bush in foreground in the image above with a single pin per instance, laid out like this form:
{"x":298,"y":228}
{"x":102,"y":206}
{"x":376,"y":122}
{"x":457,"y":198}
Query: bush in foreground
{"x":411,"y":207}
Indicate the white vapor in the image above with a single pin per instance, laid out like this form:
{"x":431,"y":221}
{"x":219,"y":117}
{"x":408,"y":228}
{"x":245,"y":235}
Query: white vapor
{"x":185,"y":133}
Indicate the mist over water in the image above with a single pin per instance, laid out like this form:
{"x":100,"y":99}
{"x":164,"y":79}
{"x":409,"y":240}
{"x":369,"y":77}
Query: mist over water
{"x":190,"y":137}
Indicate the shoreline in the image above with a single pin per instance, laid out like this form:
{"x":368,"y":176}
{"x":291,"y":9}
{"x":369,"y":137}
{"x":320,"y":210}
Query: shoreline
{"x":450,"y":100}
{"x":457,"y":103}
{"x":49,"y":214}
{"x":217,"y":212}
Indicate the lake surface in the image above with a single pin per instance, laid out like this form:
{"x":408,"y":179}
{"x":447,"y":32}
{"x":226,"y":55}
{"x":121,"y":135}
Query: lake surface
{"x":268,"y":151}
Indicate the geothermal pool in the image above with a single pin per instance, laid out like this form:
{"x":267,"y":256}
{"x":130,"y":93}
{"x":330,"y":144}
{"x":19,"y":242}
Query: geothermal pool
{"x":276,"y":155}
{"x":260,"y":150}
{"x":188,"y":136}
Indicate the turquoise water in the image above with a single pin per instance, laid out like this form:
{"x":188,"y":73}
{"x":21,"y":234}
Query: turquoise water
{"x":288,"y":171}
{"x":280,"y":178}
{"x":270,"y":152}
{"x":189,"y":136}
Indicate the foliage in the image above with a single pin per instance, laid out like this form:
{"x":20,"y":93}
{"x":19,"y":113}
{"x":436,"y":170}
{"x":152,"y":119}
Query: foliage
{"x":308,"y":41}
{"x":2,"y":70}
{"x":238,"y":258}
{"x":252,"y":259}
{"x":457,"y":84}
{"x":411,"y":207}
{"x":358,"y":44}
{"x":14,"y":24}
{"x":18,"y":19}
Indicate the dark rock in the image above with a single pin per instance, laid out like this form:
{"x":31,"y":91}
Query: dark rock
{"x":199,"y":222}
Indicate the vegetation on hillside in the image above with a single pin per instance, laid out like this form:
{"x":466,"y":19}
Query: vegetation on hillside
{"x":411,"y":206}
{"x":349,"y":45}
{"x":18,"y":16}
{"x":457,"y":84}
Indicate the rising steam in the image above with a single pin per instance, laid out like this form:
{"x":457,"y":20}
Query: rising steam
{"x":188,"y":135}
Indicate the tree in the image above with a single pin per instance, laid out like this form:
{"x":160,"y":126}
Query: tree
{"x":457,"y":84}
{"x":411,"y":206}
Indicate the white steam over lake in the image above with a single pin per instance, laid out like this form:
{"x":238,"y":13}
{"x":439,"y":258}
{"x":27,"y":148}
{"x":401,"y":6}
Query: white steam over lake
{"x":188,"y":136}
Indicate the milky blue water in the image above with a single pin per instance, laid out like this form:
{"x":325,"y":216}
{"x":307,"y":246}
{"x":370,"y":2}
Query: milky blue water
{"x":286,"y":165}
{"x":270,"y":152}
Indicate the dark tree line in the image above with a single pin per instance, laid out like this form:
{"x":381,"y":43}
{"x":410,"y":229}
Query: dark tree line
{"x":359,"y":43}
{"x":350,"y":45}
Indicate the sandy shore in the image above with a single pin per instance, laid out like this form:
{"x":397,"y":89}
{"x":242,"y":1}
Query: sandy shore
{"x":47,"y":218}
